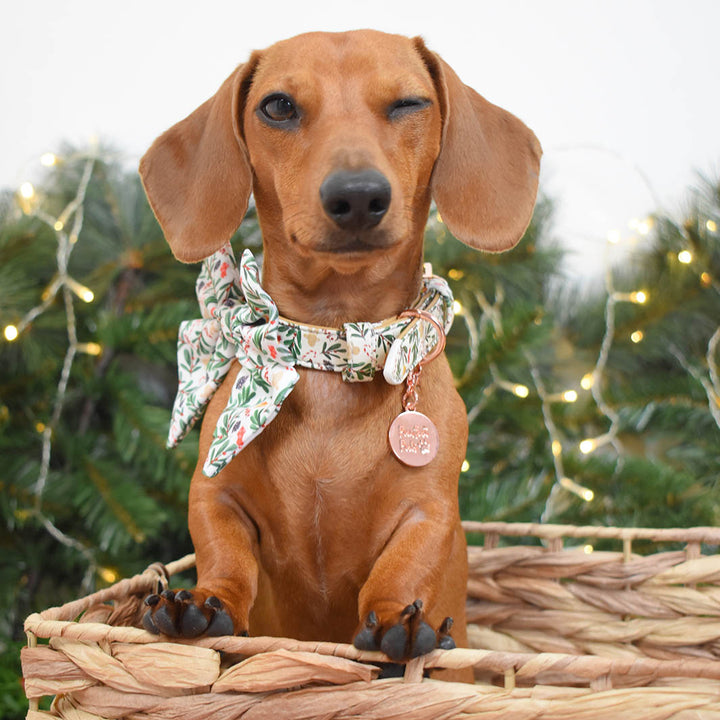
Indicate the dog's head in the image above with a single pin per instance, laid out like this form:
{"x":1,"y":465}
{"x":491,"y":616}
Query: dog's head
{"x":343,"y":138}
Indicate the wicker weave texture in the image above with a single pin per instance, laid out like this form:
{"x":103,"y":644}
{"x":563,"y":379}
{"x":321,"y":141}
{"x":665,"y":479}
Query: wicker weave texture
{"x":565,"y":635}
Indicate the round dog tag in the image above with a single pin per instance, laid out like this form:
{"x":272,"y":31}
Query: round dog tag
{"x":413,"y":438}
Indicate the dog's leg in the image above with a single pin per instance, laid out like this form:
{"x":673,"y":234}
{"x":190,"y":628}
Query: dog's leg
{"x":227,"y":568}
{"x":407,"y":604}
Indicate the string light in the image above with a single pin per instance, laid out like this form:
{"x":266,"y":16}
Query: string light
{"x":455,"y":274}
{"x":639,"y":297}
{"x":685,"y":257}
{"x":27,"y":191}
{"x":465,"y":466}
{"x":91,"y":348}
{"x":637,"y":336}
{"x":11,"y":333}
{"x":72,"y":216}
{"x":711,"y":225}
{"x":582,"y":492}
{"x":84,"y":293}
{"x":108,"y":575}
{"x":457,"y":307}
{"x":588,"y":549}
{"x":587,"y":381}
{"x":521,"y":391}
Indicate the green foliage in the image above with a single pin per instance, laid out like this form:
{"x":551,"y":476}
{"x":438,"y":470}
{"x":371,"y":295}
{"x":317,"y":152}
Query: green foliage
{"x":114,"y":489}
{"x":660,"y":468}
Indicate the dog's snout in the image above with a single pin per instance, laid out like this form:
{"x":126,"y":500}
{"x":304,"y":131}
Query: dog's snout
{"x":355,"y":199}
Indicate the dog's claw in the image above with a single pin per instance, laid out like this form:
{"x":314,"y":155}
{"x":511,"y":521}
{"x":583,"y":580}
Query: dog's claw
{"x":213,"y":602}
{"x":365,"y":639}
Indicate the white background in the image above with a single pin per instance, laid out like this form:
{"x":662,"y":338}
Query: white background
{"x":623,"y":94}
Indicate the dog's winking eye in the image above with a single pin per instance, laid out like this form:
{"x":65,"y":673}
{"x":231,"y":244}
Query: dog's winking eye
{"x":407,"y":105}
{"x":277,"y":108}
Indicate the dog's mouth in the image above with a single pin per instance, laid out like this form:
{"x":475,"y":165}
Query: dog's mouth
{"x":344,"y":244}
{"x":354,"y":245}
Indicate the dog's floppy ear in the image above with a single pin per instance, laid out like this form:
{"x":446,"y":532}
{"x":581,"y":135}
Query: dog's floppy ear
{"x":486,"y":175}
{"x":197,"y":174}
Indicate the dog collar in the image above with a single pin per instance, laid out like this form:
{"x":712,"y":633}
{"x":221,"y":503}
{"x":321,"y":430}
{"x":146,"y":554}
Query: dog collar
{"x":240,"y":321}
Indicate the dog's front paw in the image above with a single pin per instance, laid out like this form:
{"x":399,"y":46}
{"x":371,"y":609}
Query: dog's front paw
{"x":405,"y":636}
{"x":188,"y":614}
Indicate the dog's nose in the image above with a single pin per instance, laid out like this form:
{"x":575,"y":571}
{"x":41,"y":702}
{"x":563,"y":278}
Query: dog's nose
{"x":355,"y":199}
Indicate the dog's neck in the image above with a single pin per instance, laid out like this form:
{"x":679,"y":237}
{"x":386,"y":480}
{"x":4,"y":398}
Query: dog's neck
{"x":311,"y":290}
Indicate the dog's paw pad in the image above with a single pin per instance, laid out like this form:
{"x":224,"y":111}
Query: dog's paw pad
{"x":424,"y":640}
{"x":394,"y":642}
{"x":193,"y":622}
{"x":222,"y":624}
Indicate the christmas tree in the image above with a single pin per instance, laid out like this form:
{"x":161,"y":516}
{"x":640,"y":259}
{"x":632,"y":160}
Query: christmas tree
{"x":597,"y":409}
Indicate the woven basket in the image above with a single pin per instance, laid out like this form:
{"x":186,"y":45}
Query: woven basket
{"x":566,"y":634}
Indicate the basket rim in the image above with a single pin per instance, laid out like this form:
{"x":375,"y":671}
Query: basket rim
{"x":703,"y":534}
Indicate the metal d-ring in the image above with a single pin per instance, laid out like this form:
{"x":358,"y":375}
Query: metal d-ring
{"x":440,"y":345}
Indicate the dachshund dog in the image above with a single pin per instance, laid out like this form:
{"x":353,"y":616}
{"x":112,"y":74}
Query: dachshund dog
{"x":316,"y":530}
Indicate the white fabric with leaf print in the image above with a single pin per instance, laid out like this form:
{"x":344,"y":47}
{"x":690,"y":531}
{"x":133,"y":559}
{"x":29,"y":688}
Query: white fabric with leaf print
{"x":241,"y":322}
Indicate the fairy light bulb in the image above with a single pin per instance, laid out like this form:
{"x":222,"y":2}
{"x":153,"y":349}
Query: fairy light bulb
{"x":521,"y":390}
{"x":587,"y":446}
{"x":639,"y":297}
{"x":587,"y":381}
{"x":637,"y":336}
{"x":644,"y":227}
{"x":11,"y":333}
{"x":685,"y":257}
{"x":84,"y":293}
{"x":457,"y":307}
{"x":27,"y":191}
{"x":465,"y":466}
{"x":48,"y":159}
{"x":570,"y":396}
{"x":711,"y":225}
{"x":582,"y":492}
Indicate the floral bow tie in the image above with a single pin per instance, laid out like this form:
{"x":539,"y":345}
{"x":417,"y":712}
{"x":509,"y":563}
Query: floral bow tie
{"x":241,"y":322}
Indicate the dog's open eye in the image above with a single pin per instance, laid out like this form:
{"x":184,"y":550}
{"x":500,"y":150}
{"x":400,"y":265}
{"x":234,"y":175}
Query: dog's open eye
{"x":277,"y":108}
{"x":405,"y":106}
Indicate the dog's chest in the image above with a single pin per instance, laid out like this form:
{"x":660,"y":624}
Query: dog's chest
{"x":326,"y":458}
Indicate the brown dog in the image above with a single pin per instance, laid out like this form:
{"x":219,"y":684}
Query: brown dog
{"x":316,"y":530}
